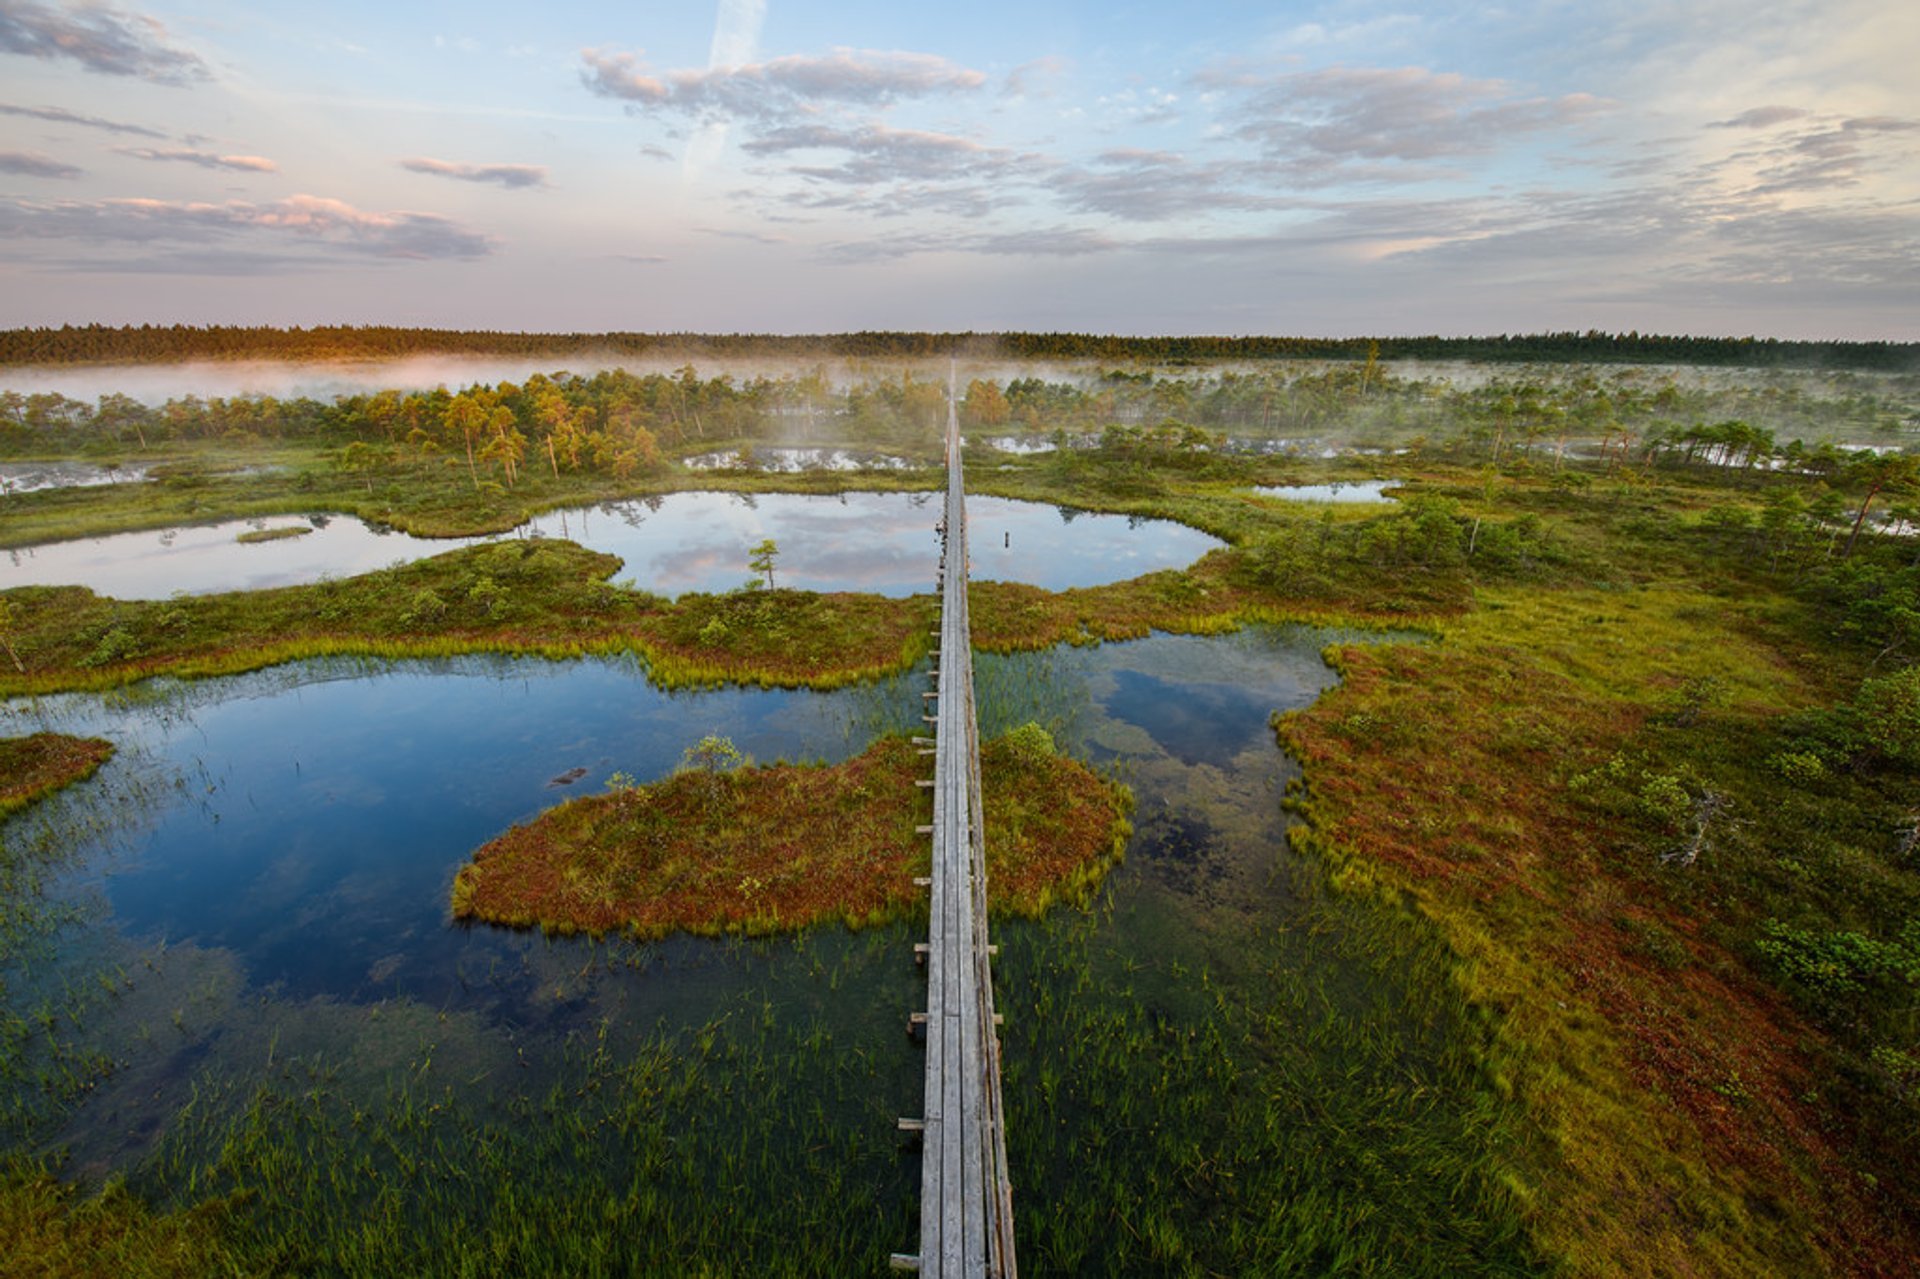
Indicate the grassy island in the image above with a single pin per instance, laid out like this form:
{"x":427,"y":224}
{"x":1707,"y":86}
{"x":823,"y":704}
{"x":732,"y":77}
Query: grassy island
{"x":34,"y":767}
{"x":546,"y":596}
{"x":758,"y":849}
{"x":279,"y":533}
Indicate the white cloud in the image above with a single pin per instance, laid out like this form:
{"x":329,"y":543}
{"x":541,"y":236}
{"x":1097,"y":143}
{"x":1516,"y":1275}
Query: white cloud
{"x":204,"y":159}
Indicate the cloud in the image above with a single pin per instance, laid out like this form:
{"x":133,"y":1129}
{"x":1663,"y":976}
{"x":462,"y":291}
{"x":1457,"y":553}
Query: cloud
{"x":1035,"y":79}
{"x":32,"y":164}
{"x":1826,"y":157}
{"x":511,"y":176}
{"x":301,"y":224}
{"x":877,"y":153}
{"x":751,"y":237}
{"x":1138,"y":108}
{"x":205,"y":159}
{"x":60,"y":115}
{"x":639,"y":259}
{"x":778,"y":88}
{"x":1334,"y":123}
{"x":1138,"y":185}
{"x":99,"y":38}
{"x":1058,"y":242}
{"x":892,"y":173}
{"x":1760,"y":118}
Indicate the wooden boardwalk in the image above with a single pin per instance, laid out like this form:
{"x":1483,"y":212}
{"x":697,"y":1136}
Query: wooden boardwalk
{"x":966,"y":1200}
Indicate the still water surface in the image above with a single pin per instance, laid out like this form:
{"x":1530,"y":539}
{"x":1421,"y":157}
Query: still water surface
{"x":1366,"y":492}
{"x":261,"y":875}
{"x":877,"y":542}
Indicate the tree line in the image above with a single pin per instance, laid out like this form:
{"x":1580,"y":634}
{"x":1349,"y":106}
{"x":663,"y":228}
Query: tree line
{"x":149,"y":343}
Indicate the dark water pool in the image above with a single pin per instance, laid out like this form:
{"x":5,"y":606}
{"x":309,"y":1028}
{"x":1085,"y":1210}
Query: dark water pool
{"x":239,"y":933}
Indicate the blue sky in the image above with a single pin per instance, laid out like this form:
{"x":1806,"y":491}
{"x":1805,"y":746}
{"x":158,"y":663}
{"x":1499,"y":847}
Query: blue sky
{"x":762,"y":165}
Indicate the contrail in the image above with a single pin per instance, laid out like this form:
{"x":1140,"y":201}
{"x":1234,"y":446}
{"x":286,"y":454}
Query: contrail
{"x":736,"y":33}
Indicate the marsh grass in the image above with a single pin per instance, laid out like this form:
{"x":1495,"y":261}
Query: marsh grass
{"x":1512,"y":781}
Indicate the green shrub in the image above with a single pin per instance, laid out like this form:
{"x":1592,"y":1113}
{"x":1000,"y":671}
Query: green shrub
{"x":1030,"y":743}
{"x":1801,"y":768}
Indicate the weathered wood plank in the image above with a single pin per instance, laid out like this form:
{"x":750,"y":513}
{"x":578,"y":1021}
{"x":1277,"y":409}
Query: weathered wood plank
{"x":965,"y":1203}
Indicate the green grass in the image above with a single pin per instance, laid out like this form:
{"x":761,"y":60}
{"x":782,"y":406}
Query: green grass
{"x":545,"y":597}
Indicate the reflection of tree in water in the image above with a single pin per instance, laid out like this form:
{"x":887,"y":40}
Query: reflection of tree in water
{"x":628,"y":513}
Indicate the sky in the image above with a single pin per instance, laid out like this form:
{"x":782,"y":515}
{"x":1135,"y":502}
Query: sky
{"x":1723,"y":167}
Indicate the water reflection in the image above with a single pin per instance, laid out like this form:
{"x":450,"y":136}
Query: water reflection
{"x":1366,"y":492}
{"x":281,"y":908}
{"x":32,"y":477}
{"x":316,"y":816}
{"x":678,"y":542}
{"x":786,"y":459}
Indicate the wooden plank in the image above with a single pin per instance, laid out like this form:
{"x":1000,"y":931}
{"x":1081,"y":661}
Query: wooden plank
{"x":965,"y":1226}
{"x":953,"y":1257}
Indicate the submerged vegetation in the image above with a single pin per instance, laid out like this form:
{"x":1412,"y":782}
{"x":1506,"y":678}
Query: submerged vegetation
{"x":726,"y":846}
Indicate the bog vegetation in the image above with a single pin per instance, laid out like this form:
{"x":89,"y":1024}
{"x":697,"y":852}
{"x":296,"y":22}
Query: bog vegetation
{"x":724,"y":845}
{"x":1654,"y":780}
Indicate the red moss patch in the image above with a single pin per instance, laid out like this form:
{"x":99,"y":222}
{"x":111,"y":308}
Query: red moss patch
{"x":1447,"y":771}
{"x":36,"y":766}
{"x":788,"y":845}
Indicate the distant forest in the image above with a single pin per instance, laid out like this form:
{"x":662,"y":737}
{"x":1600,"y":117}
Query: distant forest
{"x":101,"y":344}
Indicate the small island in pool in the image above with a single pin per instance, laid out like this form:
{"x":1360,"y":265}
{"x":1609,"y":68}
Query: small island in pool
{"x":724,"y":846}
{"x":36,"y":766}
